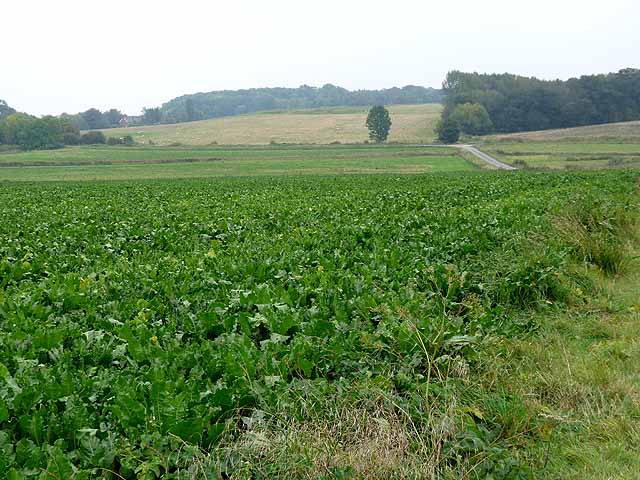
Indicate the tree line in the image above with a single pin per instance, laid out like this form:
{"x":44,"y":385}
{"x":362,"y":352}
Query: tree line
{"x":478,"y":104}
{"x":201,"y":106}
{"x":49,"y":132}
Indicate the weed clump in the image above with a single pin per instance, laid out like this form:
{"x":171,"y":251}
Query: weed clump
{"x":597,"y":231}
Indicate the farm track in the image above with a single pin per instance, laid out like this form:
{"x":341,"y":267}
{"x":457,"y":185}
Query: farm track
{"x":477,"y":153}
{"x":485,"y":157}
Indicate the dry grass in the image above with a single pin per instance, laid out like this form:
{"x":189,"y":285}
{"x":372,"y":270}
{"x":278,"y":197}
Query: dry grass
{"x":625,"y":131}
{"x":363,"y":443}
{"x":411,"y":124}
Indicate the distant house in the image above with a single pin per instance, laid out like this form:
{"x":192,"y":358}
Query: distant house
{"x":124,"y":122}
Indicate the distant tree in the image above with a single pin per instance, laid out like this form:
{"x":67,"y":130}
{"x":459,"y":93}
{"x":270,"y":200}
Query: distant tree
{"x":94,"y":119}
{"x":71,"y":138}
{"x":76,"y":120}
{"x":93,"y":138}
{"x":128,"y":140}
{"x":151,"y":116}
{"x":378,"y":123}
{"x":190,"y":110}
{"x":5,"y":110}
{"x":112,"y":117}
{"x":12,"y":126}
{"x":448,"y":131}
{"x":472,"y":118}
{"x":70,"y":133}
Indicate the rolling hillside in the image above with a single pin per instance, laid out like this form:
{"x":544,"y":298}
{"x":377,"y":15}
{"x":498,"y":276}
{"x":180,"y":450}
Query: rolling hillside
{"x":411,"y":124}
{"x":616,"y":132}
{"x":613,"y":145}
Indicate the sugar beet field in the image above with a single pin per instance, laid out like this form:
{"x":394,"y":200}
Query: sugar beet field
{"x":181,"y":329}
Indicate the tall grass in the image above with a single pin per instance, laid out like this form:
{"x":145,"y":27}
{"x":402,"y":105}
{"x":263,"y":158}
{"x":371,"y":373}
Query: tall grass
{"x":598,"y":231}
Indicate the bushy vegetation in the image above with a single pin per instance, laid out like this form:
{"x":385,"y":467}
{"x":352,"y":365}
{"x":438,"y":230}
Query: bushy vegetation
{"x":94,"y":119}
{"x":163,"y":329}
{"x":516,"y":104}
{"x":31,"y":133}
{"x":93,"y":138}
{"x":126,"y":140}
{"x":448,"y":131}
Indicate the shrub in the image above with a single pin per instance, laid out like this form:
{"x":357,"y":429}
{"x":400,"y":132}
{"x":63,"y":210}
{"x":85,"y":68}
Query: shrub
{"x":615,"y":162}
{"x":596,"y":231}
{"x":519,"y":163}
{"x":93,"y":138}
{"x":448,"y":131}
{"x":71,"y":138}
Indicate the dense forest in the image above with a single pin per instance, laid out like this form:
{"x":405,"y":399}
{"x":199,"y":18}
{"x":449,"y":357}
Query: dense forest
{"x":481,"y":103}
{"x":201,"y":106}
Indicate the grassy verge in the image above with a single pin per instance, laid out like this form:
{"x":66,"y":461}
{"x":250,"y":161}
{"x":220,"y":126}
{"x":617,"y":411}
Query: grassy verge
{"x":113,"y":163}
{"x":579,"y":378}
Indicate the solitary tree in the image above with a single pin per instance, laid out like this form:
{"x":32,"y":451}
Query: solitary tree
{"x":378,"y":123}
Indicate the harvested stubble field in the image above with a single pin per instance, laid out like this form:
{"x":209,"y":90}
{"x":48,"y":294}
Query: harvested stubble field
{"x":360,"y":326}
{"x":411,"y":124}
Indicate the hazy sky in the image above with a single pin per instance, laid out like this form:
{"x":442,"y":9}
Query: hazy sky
{"x":69,"y":55}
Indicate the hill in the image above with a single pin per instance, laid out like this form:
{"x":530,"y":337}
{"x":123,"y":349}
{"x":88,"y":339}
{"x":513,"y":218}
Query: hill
{"x":614,"y":145}
{"x":411,"y":124}
{"x":618,"y":132}
{"x":224,"y":103}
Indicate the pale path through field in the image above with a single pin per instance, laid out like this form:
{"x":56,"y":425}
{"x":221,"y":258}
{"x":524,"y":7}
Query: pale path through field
{"x":486,"y":158}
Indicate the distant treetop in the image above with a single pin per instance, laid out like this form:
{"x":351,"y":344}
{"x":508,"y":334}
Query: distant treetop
{"x":5,"y":109}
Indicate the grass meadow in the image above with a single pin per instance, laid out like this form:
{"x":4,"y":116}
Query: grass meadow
{"x":122,"y":163}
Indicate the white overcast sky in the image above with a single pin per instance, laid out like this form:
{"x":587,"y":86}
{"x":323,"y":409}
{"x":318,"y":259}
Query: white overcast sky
{"x":70,"y":55}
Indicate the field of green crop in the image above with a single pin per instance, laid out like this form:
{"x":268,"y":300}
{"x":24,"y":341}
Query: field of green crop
{"x":218,"y":328}
{"x":126,"y":163}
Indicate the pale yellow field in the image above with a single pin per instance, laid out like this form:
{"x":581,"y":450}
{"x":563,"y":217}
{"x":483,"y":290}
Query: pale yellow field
{"x":411,"y":124}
